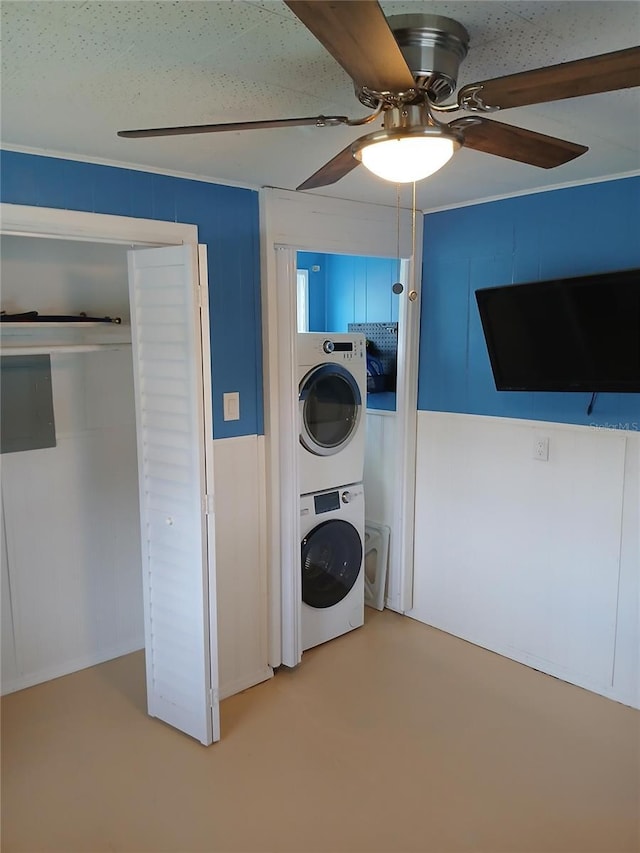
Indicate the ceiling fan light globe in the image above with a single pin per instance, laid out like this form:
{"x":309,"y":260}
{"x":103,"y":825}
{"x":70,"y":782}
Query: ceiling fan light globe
{"x":404,"y":160}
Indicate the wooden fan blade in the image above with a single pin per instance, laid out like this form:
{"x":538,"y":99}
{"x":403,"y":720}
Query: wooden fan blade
{"x":319,"y":121}
{"x":605,"y":73}
{"x":332,"y":171}
{"x":516,"y":143}
{"x":357,"y":35}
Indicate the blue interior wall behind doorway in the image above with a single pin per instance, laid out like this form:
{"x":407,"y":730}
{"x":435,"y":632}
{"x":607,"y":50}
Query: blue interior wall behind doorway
{"x":349,"y":289}
{"x":227,"y":220}
{"x":568,"y":232}
{"x":359,"y":291}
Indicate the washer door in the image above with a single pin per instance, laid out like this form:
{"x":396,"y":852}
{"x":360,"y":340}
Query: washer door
{"x":331,"y":563}
{"x":330,"y":409}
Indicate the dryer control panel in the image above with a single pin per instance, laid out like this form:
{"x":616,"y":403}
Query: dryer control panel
{"x":330,"y":346}
{"x":314,"y":347}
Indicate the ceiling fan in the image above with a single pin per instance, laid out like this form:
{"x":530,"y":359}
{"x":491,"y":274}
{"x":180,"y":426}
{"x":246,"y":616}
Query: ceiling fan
{"x":405,"y":68}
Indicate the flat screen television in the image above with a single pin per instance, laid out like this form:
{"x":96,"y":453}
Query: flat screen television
{"x":569,"y":334}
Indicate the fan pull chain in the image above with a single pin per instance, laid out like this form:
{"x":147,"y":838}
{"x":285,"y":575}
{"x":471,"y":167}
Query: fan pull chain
{"x":413,"y":293}
{"x":397,"y":288}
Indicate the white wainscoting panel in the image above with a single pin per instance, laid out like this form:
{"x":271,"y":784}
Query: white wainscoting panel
{"x":523,"y":556}
{"x":379,"y":467}
{"x":379,"y":485}
{"x":626,"y":673}
{"x":241,"y":563}
{"x":72,"y":526}
{"x":7,"y":647}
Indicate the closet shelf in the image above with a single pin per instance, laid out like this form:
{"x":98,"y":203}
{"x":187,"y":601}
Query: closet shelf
{"x":34,"y":338}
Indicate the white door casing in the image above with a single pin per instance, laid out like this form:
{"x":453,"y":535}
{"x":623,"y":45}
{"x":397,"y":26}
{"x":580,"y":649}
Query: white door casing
{"x":168,"y":376}
{"x":288,"y":458}
{"x":207,"y":448}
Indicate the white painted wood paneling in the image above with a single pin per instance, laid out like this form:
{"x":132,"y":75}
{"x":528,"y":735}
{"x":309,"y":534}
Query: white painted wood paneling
{"x":323,"y":224}
{"x":522,"y":556}
{"x":241,"y":560}
{"x":168,"y":380}
{"x":379,"y":467}
{"x":7,"y":641}
{"x":379,"y":486}
{"x":626,"y":672}
{"x":71,"y":515}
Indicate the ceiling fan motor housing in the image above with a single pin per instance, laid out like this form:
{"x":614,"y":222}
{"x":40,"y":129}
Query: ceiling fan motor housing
{"x":433,"y":47}
{"x":408,"y":117}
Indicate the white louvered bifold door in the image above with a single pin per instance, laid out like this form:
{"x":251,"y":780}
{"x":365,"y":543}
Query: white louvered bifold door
{"x":167,"y":361}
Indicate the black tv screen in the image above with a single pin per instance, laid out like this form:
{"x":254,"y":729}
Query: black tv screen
{"x":570,"y":334}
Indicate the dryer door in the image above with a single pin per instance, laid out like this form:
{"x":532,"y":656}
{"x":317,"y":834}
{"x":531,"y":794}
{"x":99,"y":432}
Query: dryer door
{"x":331,"y":563}
{"x":330,"y":409}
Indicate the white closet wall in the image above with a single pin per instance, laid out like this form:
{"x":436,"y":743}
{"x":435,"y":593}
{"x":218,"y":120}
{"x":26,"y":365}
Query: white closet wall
{"x":379,"y":466}
{"x":54,"y":276}
{"x":71,"y":580}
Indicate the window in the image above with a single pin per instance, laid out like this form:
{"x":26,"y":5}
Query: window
{"x":303,"y":300}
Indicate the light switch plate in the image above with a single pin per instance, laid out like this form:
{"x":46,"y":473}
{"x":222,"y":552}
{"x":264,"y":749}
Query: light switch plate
{"x":231,"y":406}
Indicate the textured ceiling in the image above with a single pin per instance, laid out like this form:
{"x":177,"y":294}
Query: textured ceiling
{"x":76,"y":72}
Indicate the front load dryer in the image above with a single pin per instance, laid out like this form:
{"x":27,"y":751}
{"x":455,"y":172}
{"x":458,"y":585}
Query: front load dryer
{"x":332,"y":563}
{"x":332,"y":399}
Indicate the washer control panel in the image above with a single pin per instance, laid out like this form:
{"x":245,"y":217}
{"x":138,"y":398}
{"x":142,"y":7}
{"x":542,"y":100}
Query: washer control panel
{"x":334,"y":499}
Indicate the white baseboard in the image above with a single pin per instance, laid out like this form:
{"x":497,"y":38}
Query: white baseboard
{"x":543,"y":666}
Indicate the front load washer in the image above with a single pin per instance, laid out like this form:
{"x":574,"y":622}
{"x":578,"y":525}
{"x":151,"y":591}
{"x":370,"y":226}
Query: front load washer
{"x":332,"y":399}
{"x":332,"y":563}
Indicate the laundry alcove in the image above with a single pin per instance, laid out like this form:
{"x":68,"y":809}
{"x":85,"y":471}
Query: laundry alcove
{"x":79,"y":582}
{"x":347,"y":293}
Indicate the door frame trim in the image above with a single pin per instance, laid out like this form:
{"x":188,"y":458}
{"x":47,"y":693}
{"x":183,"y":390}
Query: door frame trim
{"x":54,"y":223}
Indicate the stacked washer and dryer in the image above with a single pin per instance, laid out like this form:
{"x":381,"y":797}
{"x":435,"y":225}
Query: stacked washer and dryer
{"x":332,"y":390}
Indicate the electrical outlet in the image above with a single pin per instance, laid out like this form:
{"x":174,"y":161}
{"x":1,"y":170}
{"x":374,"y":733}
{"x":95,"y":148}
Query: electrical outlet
{"x":541,"y":448}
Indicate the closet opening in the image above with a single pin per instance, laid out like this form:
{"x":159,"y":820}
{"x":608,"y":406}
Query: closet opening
{"x":71,"y":518}
{"x":79,"y":579}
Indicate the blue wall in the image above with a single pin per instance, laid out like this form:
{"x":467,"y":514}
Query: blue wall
{"x":227,"y":220}
{"x":349,"y":289}
{"x":568,"y":232}
{"x":359,"y":291}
